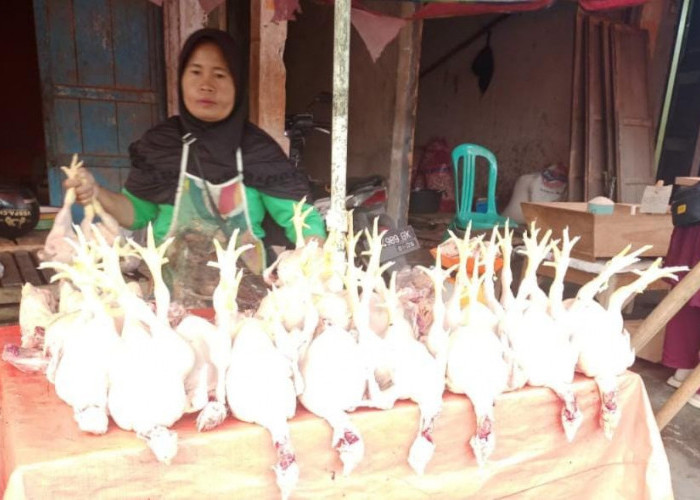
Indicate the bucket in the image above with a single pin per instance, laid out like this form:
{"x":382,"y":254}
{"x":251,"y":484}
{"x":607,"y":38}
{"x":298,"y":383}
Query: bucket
{"x":424,"y":201}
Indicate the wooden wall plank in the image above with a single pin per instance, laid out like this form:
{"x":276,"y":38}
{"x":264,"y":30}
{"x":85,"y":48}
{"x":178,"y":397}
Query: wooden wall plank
{"x":180,"y":19}
{"x":633,"y":123}
{"x":131,"y":50}
{"x":67,"y":138}
{"x":94,"y":60}
{"x":595,"y":146}
{"x":134,"y":120}
{"x":59,"y":20}
{"x":268,"y":74}
{"x":576,"y":148}
{"x":407,"y":71}
{"x":99,"y":127}
{"x":610,"y":178}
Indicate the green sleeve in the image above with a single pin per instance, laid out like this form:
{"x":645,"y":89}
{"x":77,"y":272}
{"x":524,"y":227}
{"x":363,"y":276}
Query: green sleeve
{"x":146,"y":211}
{"x":282,"y":210}
{"x":256,"y":211}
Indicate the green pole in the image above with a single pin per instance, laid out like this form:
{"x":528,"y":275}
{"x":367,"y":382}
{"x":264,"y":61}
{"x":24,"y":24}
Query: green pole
{"x":680,"y":36}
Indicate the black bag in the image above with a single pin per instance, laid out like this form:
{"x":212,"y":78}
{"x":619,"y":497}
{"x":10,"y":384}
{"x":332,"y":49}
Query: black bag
{"x":685,"y":208}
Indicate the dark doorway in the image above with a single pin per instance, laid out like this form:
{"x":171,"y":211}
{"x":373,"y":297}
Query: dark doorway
{"x":680,"y":145}
{"x":22,"y":148}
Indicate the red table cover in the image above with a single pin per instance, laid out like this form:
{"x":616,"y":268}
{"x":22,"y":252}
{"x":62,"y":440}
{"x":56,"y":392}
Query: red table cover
{"x":44,"y":455}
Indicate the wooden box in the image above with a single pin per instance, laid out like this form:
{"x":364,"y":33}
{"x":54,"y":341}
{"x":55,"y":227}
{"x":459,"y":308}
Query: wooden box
{"x":603,"y":236}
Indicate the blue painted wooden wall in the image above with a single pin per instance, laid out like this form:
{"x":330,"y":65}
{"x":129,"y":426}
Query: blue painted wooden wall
{"x":102,"y":83}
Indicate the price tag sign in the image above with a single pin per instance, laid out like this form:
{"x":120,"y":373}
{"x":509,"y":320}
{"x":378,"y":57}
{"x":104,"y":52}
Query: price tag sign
{"x":398,"y":242}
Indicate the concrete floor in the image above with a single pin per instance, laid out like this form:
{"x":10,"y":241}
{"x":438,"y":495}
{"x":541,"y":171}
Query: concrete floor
{"x":681,"y":436}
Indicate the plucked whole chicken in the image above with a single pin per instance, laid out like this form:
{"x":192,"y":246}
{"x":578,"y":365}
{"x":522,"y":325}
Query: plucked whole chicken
{"x":329,"y":333}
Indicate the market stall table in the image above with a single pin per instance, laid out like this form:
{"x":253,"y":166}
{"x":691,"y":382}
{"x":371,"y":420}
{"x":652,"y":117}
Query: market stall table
{"x":45,"y":455}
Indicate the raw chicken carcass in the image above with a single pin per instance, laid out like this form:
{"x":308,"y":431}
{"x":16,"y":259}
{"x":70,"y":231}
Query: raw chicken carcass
{"x":540,"y":345}
{"x":36,"y":309}
{"x":206,"y":382}
{"x":147,"y":390}
{"x":260,"y":390}
{"x":599,"y":335}
{"x":335,"y":382}
{"x":476,"y":367}
{"x":57,"y":247}
{"x":80,"y":358}
{"x":415,"y":374}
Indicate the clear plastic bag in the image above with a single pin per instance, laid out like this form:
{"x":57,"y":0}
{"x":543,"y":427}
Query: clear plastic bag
{"x":28,"y":360}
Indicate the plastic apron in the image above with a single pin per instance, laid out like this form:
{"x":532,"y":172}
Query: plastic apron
{"x":195,"y":225}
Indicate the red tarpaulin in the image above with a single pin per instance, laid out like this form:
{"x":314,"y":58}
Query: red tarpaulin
{"x":451,"y":9}
{"x":378,"y":29}
{"x":44,"y":455}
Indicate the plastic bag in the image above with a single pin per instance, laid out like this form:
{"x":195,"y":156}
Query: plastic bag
{"x":28,"y":360}
{"x":548,"y":185}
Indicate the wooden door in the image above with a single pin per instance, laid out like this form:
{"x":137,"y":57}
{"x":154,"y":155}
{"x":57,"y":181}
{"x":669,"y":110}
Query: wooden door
{"x":102,"y":83}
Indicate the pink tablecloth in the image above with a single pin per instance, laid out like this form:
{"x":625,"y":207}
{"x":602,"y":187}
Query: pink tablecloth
{"x":44,"y":455}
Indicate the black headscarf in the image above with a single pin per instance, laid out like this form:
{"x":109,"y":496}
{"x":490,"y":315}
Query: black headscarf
{"x":155,"y":158}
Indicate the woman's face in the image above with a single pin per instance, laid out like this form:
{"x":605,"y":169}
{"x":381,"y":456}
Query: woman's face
{"x":208,"y":88}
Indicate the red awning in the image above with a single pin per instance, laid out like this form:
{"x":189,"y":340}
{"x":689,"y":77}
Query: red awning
{"x":470,"y":8}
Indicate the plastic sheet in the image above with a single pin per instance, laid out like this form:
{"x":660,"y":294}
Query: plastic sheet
{"x":25,"y":359}
{"x":44,"y":455}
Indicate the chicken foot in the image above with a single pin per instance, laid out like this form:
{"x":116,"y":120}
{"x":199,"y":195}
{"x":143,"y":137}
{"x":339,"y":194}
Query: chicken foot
{"x":92,"y":419}
{"x":162,"y":442}
{"x":347,"y":441}
{"x":571,"y":416}
{"x":423,"y":446}
{"x":483,"y":441}
{"x":610,"y":410}
{"x":646,"y":277}
{"x":505,"y":243}
{"x":286,"y":468}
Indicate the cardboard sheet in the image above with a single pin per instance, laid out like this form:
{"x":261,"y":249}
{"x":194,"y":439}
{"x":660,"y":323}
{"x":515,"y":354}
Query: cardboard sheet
{"x":44,"y":455}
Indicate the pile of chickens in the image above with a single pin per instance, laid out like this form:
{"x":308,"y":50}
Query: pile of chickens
{"x":330,"y":334}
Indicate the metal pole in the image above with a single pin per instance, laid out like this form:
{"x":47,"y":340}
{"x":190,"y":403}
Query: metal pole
{"x":336,"y":219}
{"x":680,"y":36}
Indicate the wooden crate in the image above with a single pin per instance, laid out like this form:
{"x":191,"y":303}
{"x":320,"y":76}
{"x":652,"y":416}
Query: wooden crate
{"x":603,"y":236}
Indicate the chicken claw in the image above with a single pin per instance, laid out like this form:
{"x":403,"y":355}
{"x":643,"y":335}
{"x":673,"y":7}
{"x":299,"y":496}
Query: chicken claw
{"x":571,"y":418}
{"x":350,"y":447}
{"x":92,"y":419}
{"x":422,"y":448}
{"x":484,"y":441}
{"x":211,"y":416}
{"x":162,"y":442}
{"x":609,"y":413}
{"x":286,"y":469}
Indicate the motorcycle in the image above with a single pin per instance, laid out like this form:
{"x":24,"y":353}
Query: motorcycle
{"x":366,"y":196}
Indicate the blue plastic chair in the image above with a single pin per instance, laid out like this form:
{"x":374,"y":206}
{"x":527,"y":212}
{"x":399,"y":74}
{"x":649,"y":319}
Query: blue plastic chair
{"x":464,"y":161}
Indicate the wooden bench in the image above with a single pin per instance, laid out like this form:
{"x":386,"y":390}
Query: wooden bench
{"x":20,"y":261}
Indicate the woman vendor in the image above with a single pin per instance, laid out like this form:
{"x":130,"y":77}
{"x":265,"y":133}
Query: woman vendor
{"x":682,"y":341}
{"x":247,"y":176}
